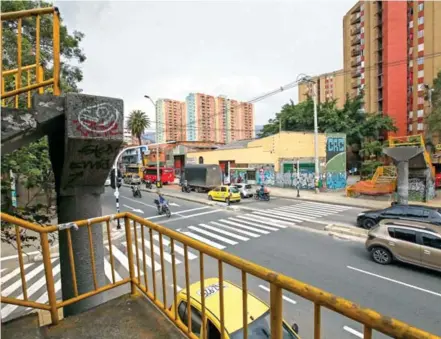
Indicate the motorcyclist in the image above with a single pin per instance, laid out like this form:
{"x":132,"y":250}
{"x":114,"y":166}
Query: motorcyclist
{"x":160,"y":200}
{"x":262,"y":190}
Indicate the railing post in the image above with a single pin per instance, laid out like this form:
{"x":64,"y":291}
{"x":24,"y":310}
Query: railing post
{"x":49,"y":277}
{"x":276,"y":311}
{"x":130,"y":255}
{"x":56,"y":39}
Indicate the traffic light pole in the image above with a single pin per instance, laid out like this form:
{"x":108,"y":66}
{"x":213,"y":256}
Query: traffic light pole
{"x":118,"y":225}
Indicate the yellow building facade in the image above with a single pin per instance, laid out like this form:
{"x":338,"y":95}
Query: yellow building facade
{"x":273,"y":150}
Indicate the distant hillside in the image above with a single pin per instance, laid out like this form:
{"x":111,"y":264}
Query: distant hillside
{"x":258,"y":129}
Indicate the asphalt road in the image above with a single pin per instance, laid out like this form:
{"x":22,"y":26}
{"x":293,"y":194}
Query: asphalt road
{"x":284,"y":236}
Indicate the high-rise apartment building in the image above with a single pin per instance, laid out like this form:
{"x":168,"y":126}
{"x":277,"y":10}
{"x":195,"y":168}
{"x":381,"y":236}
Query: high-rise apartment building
{"x":392,"y":53}
{"x":170,"y":120}
{"x":218,"y":119}
{"x":330,"y":86}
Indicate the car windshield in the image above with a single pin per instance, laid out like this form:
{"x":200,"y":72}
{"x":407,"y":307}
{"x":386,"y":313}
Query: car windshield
{"x":135,"y":176}
{"x":260,"y":328}
{"x":234,"y":190}
{"x":248,"y":187}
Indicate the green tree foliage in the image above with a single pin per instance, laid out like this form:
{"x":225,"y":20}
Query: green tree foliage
{"x":137,"y":123}
{"x":434,"y":118}
{"x":31,"y":164}
{"x":360,"y":127}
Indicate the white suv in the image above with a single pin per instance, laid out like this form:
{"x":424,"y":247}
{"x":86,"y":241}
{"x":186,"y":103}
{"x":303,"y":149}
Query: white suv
{"x":245,"y":190}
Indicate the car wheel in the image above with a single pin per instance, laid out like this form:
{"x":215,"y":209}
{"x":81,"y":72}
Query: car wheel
{"x":210,"y":197}
{"x":242,"y":196}
{"x":227,"y":200}
{"x":368,"y":223}
{"x":381,"y":255}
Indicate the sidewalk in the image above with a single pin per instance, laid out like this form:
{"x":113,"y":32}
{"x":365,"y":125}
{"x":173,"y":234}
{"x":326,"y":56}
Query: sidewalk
{"x":336,"y":198}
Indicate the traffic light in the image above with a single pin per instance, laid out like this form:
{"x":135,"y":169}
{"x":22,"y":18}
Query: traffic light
{"x":112,"y":179}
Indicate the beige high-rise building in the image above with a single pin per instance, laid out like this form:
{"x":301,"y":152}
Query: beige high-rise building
{"x":170,"y":120}
{"x":330,"y":86}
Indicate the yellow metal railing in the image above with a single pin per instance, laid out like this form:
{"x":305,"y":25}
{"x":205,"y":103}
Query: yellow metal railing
{"x":413,"y":140}
{"x":139,"y":276}
{"x":27,"y":78}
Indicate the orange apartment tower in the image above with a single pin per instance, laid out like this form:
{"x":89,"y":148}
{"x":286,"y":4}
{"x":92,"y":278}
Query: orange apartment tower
{"x":392,"y":53}
{"x":170,"y":120}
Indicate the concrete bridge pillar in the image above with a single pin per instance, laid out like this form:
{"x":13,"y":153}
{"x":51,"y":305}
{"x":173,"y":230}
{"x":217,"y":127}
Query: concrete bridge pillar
{"x":401,"y":156}
{"x":82,"y":150}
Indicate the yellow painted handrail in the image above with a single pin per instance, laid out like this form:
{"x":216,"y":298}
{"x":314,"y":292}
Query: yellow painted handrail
{"x":371,"y":319}
{"x":34,"y":73}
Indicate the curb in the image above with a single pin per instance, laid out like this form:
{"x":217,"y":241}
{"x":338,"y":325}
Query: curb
{"x":351,"y":231}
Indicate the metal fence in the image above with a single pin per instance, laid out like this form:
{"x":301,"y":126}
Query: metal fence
{"x":26,"y":78}
{"x":140,"y":275}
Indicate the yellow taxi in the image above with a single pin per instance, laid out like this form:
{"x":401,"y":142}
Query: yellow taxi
{"x":224,"y":193}
{"x":259,"y":318}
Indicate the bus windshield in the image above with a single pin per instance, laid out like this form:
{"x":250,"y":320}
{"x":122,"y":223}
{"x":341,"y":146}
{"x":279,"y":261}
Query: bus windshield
{"x":132,"y":169}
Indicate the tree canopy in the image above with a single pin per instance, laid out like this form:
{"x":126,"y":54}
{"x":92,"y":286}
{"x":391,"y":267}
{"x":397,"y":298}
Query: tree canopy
{"x":137,"y":123}
{"x":434,"y":96}
{"x":359,"y":127}
{"x":31,"y":164}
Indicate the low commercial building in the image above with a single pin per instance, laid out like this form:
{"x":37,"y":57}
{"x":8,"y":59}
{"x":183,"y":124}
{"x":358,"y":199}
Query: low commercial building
{"x":275,"y":160}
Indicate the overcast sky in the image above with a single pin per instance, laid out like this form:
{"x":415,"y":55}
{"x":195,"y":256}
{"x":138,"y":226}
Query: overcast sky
{"x":240,"y":49}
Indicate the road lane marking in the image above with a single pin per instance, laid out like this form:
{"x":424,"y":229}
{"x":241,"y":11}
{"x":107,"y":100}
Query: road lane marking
{"x":189,"y":216}
{"x":282,"y":215}
{"x":178,"y":288}
{"x":352,"y":331}
{"x":234,"y":229}
{"x":136,"y":210}
{"x":259,"y":221}
{"x":395,"y":281}
{"x":178,"y":248}
{"x":212,"y":235}
{"x":108,"y":270}
{"x":139,"y":202}
{"x":253,"y":223}
{"x":225,"y":232}
{"x":253,"y":229}
{"x":13,"y":273}
{"x":266,"y":214}
{"x":204,"y":240}
{"x":284,"y":297}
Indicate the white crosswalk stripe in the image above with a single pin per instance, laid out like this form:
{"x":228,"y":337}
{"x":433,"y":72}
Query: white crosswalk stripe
{"x":157,"y":251}
{"x":108,"y":271}
{"x":148,"y":258}
{"x":230,"y":234}
{"x":212,"y":235}
{"x":204,"y":240}
{"x":217,"y":223}
{"x":252,"y":221}
{"x":178,"y":249}
{"x":253,"y":229}
{"x":11,"y":275}
{"x":259,"y":226}
{"x":290,"y":216}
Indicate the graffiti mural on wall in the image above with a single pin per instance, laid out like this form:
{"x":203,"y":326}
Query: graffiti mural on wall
{"x":238,"y":176}
{"x":265,"y":176}
{"x":335,"y":161}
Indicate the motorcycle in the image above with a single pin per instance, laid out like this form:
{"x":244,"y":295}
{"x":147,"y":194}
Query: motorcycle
{"x":185,"y":187}
{"x":136,"y":191}
{"x":265,"y":196}
{"x":148,"y":185}
{"x":164,"y":208}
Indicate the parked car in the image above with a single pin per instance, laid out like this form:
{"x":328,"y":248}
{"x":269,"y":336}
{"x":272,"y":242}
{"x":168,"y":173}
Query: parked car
{"x":411,"y":242}
{"x":224,"y":193}
{"x":135,"y":179}
{"x":368,"y":219}
{"x":258,"y":319}
{"x":245,"y":190}
{"x":438,"y":180}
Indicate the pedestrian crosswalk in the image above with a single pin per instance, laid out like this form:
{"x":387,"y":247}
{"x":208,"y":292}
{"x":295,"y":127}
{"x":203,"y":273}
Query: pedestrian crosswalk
{"x":220,"y":233}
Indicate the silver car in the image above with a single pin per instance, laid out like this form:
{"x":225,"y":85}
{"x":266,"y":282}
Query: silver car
{"x":245,"y":190}
{"x":135,"y":180}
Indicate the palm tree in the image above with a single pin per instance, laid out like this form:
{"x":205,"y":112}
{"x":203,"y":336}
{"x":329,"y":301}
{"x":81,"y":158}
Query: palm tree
{"x":138,"y":122}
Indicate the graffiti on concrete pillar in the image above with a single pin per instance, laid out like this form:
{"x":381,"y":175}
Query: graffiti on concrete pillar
{"x":99,"y":119}
{"x":335,"y":161}
{"x":417,"y":189}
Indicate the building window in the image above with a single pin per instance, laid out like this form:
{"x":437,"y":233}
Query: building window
{"x":411,"y":24}
{"x":410,"y":127}
{"x":420,"y":100}
{"x":420,"y":126}
{"x":411,"y":63}
{"x":420,"y":112}
{"x":420,"y":60}
{"x":420,"y":7}
{"x":420,"y":47}
{"x":420,"y":33}
{"x":421,"y":74}
{"x":420,"y":20}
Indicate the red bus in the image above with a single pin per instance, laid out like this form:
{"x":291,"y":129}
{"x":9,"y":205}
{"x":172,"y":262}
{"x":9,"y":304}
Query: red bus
{"x":167,"y":174}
